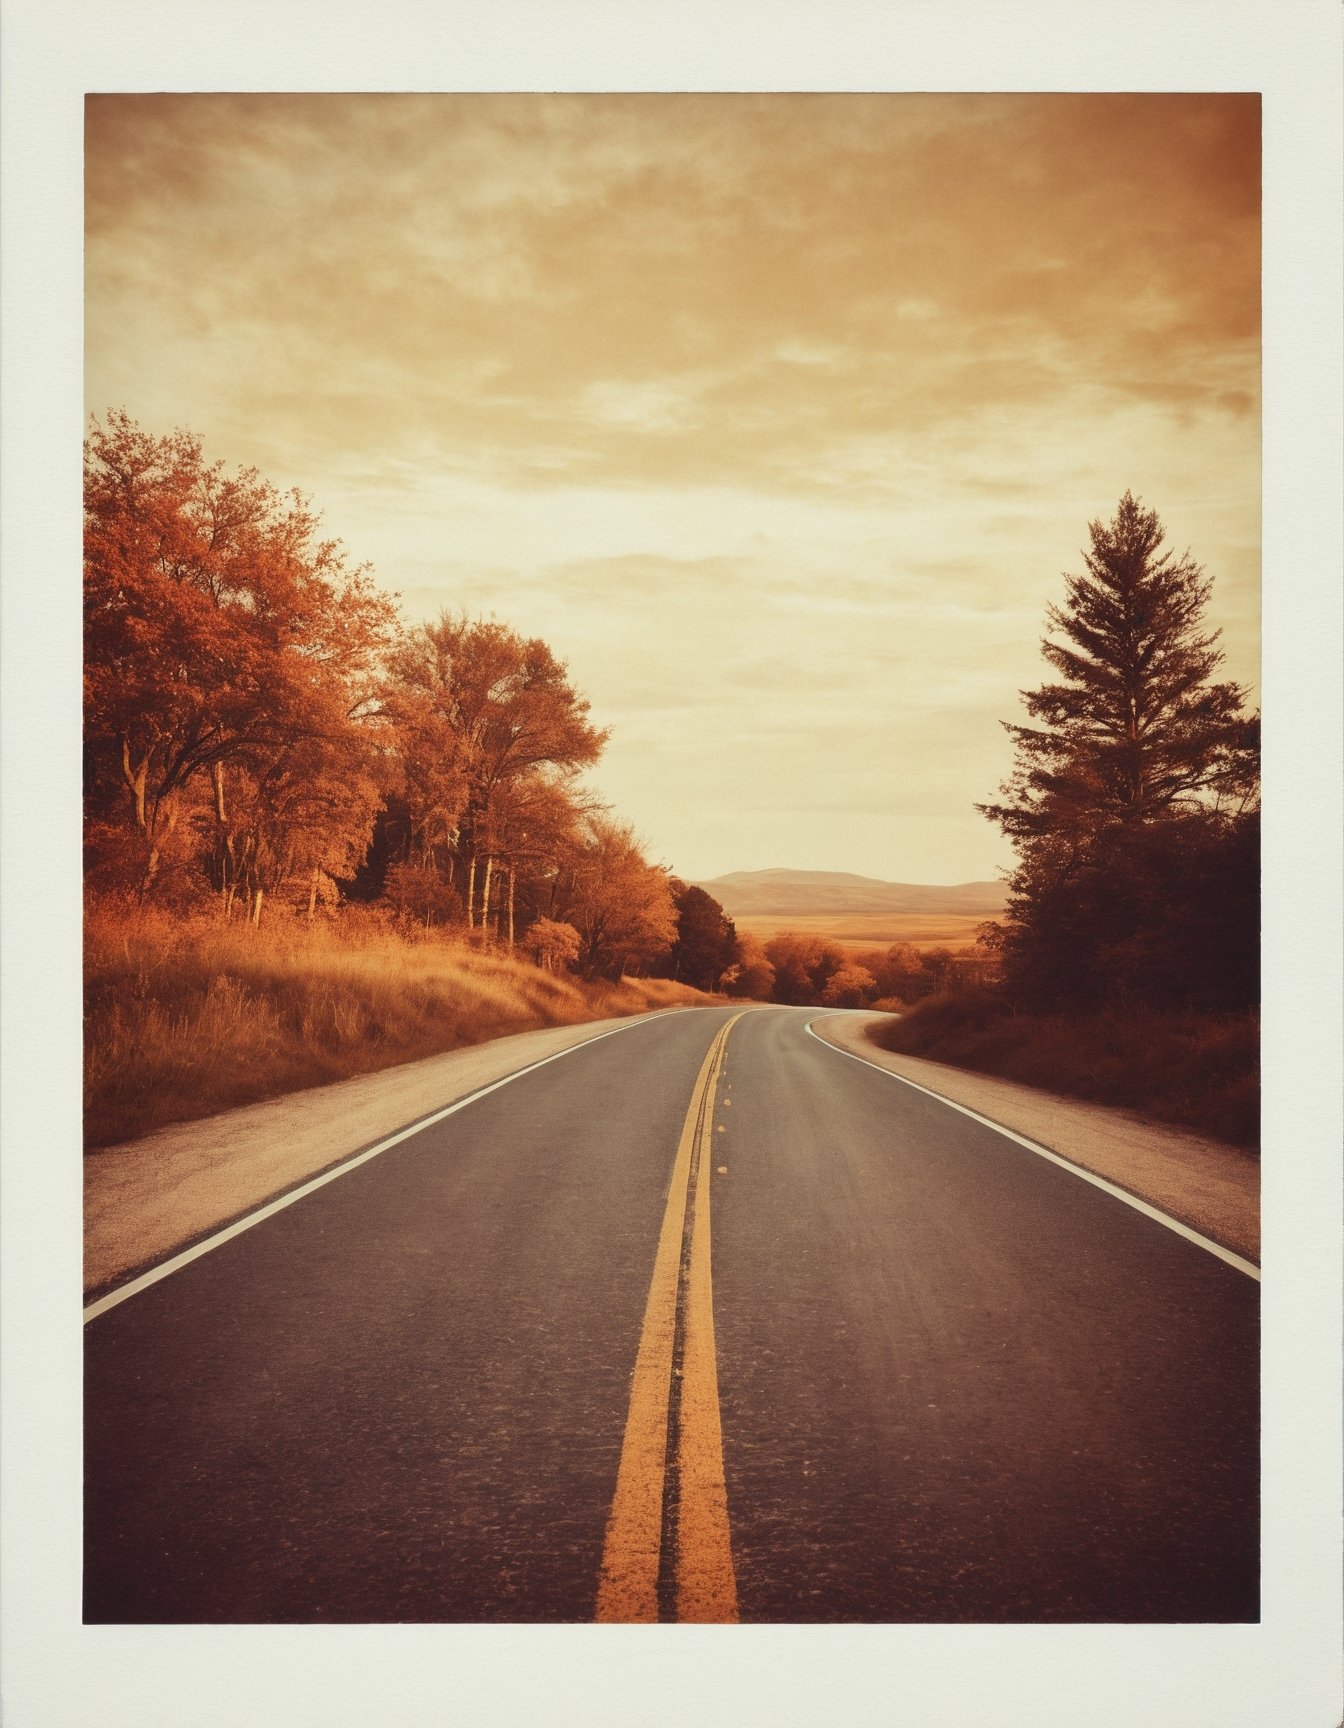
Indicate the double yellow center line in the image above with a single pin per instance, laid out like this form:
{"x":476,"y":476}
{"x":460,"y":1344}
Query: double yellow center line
{"x":667,"y":1554}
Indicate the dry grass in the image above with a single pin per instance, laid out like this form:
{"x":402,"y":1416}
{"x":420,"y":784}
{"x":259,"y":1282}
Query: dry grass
{"x":867,"y":929}
{"x":1197,"y":1071}
{"x":185,"y":1017}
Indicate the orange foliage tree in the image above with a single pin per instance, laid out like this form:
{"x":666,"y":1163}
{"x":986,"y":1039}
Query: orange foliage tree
{"x":621,"y":905}
{"x":220,"y":631}
{"x":255,"y":713}
{"x":492,"y":736}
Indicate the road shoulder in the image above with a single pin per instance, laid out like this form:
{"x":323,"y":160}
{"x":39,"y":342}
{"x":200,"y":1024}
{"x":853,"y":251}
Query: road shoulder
{"x":147,"y":1198}
{"x":1212,"y":1187}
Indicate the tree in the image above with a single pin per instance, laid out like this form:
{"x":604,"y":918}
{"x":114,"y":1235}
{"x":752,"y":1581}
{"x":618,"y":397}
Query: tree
{"x":706,"y":942}
{"x":752,"y":974}
{"x":802,"y":965}
{"x":492,"y":735}
{"x":849,"y":987}
{"x":218,"y":627}
{"x":1142,"y":776}
{"x":620,"y":904}
{"x":291,"y":817}
{"x":898,"y":972}
{"x":419,"y":893}
{"x":551,"y":943}
{"x":431,"y":768}
{"x":1134,"y":728}
{"x":536,"y":830}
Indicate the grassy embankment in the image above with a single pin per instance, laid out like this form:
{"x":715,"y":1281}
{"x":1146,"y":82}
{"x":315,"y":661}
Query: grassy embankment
{"x":185,"y":1017}
{"x":1196,"y":1071}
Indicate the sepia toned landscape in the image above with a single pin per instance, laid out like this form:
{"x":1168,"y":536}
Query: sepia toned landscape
{"x":867,"y":930}
{"x":857,"y":911}
{"x":649,"y":656}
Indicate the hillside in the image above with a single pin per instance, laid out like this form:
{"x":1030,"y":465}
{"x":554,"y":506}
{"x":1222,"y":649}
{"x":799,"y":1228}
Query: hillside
{"x":816,"y":893}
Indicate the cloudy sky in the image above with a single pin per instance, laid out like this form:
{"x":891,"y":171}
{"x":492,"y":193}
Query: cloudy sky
{"x":778,"y":417}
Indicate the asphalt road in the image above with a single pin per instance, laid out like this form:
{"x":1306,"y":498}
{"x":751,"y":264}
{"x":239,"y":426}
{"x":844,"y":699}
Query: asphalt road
{"x":636,"y":1335}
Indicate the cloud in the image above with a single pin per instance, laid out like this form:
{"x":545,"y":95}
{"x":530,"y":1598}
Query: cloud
{"x":779,"y":416}
{"x":565,"y":285}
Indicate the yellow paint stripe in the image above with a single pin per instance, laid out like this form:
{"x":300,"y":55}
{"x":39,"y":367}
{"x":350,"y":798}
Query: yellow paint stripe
{"x":706,"y":1585}
{"x":628,"y":1582}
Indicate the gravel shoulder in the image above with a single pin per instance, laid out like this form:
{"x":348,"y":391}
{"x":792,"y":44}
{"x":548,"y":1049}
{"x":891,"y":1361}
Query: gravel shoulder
{"x":1212,"y":1187}
{"x":147,"y":1198}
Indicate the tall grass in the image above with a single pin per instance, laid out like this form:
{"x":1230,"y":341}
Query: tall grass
{"x":188,"y":1016}
{"x":1197,"y":1071}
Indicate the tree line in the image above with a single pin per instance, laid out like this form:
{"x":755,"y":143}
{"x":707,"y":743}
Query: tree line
{"x":263,"y":729}
{"x":261,"y":726}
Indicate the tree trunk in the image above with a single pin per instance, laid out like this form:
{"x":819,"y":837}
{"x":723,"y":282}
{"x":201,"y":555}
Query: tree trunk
{"x":471,"y":894}
{"x":485,"y":891}
{"x":136,"y":779}
{"x":169,"y":810}
{"x":259,"y":894}
{"x":510,"y":909}
{"x":312,"y":894}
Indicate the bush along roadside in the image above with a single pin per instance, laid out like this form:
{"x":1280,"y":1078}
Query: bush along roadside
{"x":1197,"y":1071}
{"x":185,"y":1017}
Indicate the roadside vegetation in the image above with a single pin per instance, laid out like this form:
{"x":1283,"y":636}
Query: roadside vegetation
{"x":188,"y":1015}
{"x":319,"y":839}
{"x":1197,"y":1071}
{"x":1127,"y":967}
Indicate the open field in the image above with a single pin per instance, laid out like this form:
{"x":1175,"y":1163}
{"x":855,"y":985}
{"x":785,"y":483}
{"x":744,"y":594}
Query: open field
{"x":868,"y":929}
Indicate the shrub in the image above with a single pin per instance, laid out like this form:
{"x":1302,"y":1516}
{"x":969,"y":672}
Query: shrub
{"x":188,"y":1016}
{"x":847,"y":987}
{"x":1198,"y":1071}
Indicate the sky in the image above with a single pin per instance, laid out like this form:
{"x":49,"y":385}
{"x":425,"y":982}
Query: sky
{"x":778,"y":417}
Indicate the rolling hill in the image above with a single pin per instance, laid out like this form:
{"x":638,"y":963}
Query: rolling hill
{"x":858,"y":912}
{"x":818,"y":893}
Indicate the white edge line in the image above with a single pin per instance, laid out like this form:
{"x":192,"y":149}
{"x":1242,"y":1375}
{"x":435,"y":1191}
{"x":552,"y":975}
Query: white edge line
{"x":197,"y":1249}
{"x":1246,"y":1266}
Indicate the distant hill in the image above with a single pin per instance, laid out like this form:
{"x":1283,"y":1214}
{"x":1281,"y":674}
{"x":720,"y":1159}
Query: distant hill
{"x":799,"y":893}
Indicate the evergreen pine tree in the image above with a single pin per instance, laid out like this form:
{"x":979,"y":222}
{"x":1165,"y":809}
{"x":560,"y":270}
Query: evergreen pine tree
{"x":1138,"y":765}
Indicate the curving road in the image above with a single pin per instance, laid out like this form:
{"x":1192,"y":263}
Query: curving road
{"x":704,"y":1320}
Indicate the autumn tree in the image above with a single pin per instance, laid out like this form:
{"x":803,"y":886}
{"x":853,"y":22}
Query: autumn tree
{"x":802,"y":965}
{"x":418,"y":892}
{"x":537,"y":830}
{"x":430,"y":766}
{"x":620,"y":904}
{"x":1139,"y":758}
{"x":552,"y":945}
{"x":850,"y":986}
{"x":219,"y":628}
{"x":492,"y":736}
{"x":295,"y":817}
{"x":750,"y":973}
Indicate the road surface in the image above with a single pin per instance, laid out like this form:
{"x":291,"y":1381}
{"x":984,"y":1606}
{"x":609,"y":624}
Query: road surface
{"x":703,"y":1320}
